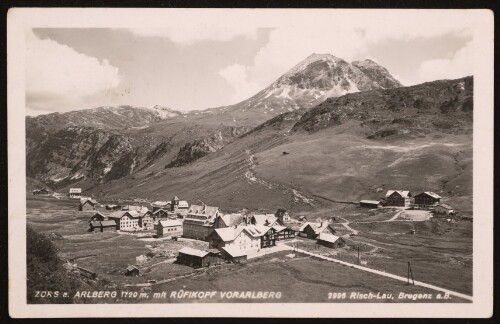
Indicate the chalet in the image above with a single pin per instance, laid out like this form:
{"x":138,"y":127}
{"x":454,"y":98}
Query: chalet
{"x":127,"y":221}
{"x":401,"y":198}
{"x":169,"y":228}
{"x":245,"y":238}
{"x":87,"y":204}
{"x":113,"y":207}
{"x":282,"y":215}
{"x":132,"y":271}
{"x":302,"y":218}
{"x":312,"y":230}
{"x":147,"y":220}
{"x":265,"y":220}
{"x":200,"y":221}
{"x":233,"y":254}
{"x":75,"y":193}
{"x":269,"y":237}
{"x":229,"y":220}
{"x":197,"y":258}
{"x":427,"y":198}
{"x":40,"y":192}
{"x":331,"y":241}
{"x":370,"y":203}
{"x":161,"y":205}
{"x":283,"y":232}
{"x":98,"y":217}
{"x":444,"y":209}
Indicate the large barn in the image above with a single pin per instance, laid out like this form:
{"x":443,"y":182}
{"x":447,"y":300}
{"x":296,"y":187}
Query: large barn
{"x":197,"y":258}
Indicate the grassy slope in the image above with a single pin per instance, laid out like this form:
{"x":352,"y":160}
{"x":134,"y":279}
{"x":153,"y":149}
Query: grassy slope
{"x":331,"y":164}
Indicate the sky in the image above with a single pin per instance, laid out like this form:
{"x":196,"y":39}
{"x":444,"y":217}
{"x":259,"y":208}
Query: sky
{"x":190,"y":60}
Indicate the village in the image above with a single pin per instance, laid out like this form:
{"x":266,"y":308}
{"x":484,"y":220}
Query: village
{"x":237,"y":237}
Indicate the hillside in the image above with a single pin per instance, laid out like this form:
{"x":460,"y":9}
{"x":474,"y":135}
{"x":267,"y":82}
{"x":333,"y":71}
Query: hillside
{"x":93,"y":146}
{"x":348,"y":148}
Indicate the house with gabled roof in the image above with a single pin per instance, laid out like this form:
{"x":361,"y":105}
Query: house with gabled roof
{"x":283,"y":233}
{"x":313,"y":230}
{"x":265,"y":220}
{"x":331,"y":241}
{"x":87,"y":204}
{"x":98,"y":217}
{"x":427,"y":198}
{"x":169,"y":228}
{"x":161,"y":205}
{"x":229,"y":220}
{"x":282,"y":215}
{"x":400,"y":198}
{"x":198,"y":258}
{"x":246,"y":238}
{"x":444,"y":209}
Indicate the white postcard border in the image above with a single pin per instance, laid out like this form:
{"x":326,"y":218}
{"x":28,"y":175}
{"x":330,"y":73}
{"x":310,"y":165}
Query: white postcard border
{"x":21,"y":19}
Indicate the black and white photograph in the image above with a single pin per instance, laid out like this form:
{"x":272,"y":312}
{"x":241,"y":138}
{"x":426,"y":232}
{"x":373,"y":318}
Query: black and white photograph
{"x":185,"y":160}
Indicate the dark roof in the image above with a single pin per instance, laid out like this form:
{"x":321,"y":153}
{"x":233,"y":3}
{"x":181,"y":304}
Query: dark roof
{"x":108,"y":223}
{"x":280,"y":212}
{"x":430,"y":194}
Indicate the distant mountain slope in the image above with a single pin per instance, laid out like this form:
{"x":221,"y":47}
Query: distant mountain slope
{"x":309,"y":83}
{"x":102,"y":117}
{"x":353,"y":147}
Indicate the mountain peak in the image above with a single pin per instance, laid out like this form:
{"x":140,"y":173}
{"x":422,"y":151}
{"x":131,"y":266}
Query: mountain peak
{"x":313,"y":58}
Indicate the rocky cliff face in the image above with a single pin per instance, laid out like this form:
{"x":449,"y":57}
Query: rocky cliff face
{"x":445,"y":105}
{"x":199,"y":148}
{"x":88,"y":155}
{"x":78,"y":153}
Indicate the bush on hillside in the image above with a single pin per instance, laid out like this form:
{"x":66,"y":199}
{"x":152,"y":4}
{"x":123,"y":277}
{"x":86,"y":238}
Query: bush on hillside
{"x":45,"y":271}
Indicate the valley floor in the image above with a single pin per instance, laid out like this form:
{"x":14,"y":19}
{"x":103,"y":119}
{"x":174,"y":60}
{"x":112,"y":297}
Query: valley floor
{"x":440,"y":254}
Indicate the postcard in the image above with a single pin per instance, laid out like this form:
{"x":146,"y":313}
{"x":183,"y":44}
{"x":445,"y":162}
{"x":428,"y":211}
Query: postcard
{"x":250,"y":162}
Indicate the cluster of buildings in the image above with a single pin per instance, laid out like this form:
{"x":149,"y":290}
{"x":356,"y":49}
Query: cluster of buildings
{"x":231,"y":237}
{"x":404,"y":198}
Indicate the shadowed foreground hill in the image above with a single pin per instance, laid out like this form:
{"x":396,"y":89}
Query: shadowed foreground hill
{"x":45,"y":271}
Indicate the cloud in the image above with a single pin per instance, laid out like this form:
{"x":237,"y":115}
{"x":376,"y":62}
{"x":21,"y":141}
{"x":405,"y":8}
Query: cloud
{"x":60,"y":78}
{"x":237,"y":76}
{"x":459,"y":65}
{"x":297,"y":34}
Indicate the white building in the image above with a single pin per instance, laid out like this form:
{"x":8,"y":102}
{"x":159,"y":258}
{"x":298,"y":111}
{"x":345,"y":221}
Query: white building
{"x":243,"y":238}
{"x":75,"y":193}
